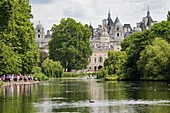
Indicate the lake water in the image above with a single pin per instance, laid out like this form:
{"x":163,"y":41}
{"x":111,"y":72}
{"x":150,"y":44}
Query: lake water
{"x":86,"y":96}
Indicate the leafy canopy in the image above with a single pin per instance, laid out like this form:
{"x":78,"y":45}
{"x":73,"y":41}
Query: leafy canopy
{"x":70,"y":44}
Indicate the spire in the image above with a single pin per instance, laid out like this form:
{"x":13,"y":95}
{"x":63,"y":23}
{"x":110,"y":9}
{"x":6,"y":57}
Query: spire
{"x":117,"y":19}
{"x":148,"y":12}
{"x":109,"y":15}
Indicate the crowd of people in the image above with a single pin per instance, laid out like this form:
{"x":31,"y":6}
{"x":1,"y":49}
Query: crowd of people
{"x":16,"y":78}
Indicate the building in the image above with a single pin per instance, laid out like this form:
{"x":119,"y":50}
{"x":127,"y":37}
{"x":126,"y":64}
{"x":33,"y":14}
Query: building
{"x":145,"y":23}
{"x":41,"y":39}
{"x":107,"y":36}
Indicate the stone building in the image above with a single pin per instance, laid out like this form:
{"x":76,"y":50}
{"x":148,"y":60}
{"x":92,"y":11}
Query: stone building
{"x":145,"y":23}
{"x":107,"y":36}
{"x":41,"y":38}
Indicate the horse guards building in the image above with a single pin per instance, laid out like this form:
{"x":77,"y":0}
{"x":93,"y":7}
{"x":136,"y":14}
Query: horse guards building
{"x":107,"y":36}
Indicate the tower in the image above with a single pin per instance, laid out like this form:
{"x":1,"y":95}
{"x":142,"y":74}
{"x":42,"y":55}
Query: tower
{"x":39,"y":31}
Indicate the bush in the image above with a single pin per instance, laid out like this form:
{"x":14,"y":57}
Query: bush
{"x":40,"y":76}
{"x":1,"y":83}
{"x":70,"y":74}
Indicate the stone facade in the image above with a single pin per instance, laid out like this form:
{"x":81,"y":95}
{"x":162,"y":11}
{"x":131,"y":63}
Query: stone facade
{"x":109,"y":35}
{"x":145,"y":23}
{"x":41,"y":39}
{"x":105,"y":37}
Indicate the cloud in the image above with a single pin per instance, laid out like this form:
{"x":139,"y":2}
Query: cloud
{"x":50,"y":12}
{"x":73,"y":9}
{"x":41,"y":1}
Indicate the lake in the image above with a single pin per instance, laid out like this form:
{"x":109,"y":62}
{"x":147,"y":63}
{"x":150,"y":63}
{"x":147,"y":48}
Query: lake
{"x":86,"y":96}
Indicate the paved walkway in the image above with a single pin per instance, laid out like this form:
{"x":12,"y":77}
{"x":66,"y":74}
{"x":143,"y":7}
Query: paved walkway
{"x":18,"y":83}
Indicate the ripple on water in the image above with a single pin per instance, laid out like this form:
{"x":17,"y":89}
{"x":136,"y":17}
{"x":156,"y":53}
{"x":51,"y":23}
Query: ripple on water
{"x":49,"y":104}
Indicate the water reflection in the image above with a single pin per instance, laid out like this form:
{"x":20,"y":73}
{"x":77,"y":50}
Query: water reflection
{"x":18,"y":90}
{"x":62,"y":95}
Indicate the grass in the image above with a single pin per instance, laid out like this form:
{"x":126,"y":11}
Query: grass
{"x":70,"y":74}
{"x":1,"y":83}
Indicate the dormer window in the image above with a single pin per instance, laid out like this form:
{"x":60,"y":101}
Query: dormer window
{"x":38,"y":30}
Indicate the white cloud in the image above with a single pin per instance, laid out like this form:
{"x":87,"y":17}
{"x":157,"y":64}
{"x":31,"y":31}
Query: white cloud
{"x":86,"y":11}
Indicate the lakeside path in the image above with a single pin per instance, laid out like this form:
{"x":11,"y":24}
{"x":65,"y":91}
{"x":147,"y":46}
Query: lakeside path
{"x":18,"y":83}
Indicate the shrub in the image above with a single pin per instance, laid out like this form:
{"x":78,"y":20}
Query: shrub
{"x":40,"y":76}
{"x":1,"y":83}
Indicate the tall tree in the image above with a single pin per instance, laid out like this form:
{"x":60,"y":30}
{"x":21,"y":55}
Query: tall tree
{"x":17,"y":32}
{"x":70,"y":44}
{"x":168,"y":16}
{"x":137,"y":42}
{"x":114,"y":63}
{"x":154,"y":61}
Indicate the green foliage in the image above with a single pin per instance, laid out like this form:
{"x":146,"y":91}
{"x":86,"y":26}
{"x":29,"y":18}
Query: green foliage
{"x":17,"y":34}
{"x":70,"y":44}
{"x":70,"y":74}
{"x":9,"y":60}
{"x":52,"y":69}
{"x":43,"y":56}
{"x":113,"y":65}
{"x":168,"y":16}
{"x":137,"y":42}
{"x":102,"y":73}
{"x":36,"y":70}
{"x":1,"y":82}
{"x":155,"y":60}
{"x":38,"y":74}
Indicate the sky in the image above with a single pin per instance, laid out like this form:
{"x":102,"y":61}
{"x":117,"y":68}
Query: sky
{"x":49,"y":12}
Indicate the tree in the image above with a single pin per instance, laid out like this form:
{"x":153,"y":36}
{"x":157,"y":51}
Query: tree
{"x":52,"y":69}
{"x":70,"y":44}
{"x":17,"y":32}
{"x":43,"y":56}
{"x":168,"y":16}
{"x":9,"y":60}
{"x":137,"y":42}
{"x":155,"y":60}
{"x":114,"y":64}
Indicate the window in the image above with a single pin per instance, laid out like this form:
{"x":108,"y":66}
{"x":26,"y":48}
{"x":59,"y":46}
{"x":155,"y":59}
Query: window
{"x":117,"y":29}
{"x":38,"y":30}
{"x":100,"y":59}
{"x":38,"y":35}
{"x":94,"y":59}
{"x":90,"y":60}
{"x":89,"y":67}
{"x":117,"y":34}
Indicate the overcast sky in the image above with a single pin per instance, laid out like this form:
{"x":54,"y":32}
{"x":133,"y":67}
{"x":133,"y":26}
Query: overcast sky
{"x":50,"y":12}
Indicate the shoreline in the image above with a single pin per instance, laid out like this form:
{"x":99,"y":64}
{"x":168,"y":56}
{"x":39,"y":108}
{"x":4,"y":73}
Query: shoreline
{"x":18,"y":83}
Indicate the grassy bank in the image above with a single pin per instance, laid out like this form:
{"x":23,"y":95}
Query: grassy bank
{"x":1,"y":83}
{"x":70,"y":74}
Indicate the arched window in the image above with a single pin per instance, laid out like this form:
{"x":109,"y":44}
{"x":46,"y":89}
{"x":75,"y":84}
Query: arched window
{"x":117,"y":29}
{"x":94,"y":59}
{"x":100,"y":59}
{"x":38,"y":35}
{"x":95,"y":68}
{"x":38,"y":30}
{"x":117,"y":34}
